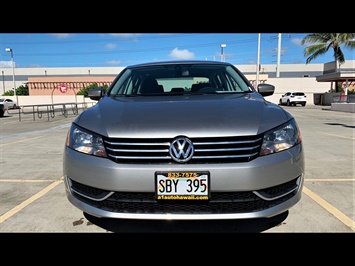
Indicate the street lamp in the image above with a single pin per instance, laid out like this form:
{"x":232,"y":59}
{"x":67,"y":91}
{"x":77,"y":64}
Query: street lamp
{"x":3,"y":81}
{"x":13,"y":70}
{"x":222,"y":47}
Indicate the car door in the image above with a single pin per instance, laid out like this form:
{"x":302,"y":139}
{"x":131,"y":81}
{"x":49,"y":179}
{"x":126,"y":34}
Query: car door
{"x":285,"y":97}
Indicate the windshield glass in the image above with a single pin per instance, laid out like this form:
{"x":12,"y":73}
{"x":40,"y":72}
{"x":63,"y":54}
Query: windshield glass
{"x":179,"y":78}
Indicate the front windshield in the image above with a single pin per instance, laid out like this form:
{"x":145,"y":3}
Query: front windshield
{"x":179,"y":79}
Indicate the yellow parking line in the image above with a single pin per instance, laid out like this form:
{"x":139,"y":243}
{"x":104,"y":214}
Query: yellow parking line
{"x":19,"y":207}
{"x":336,"y":136}
{"x":330,"y":179}
{"x":10,"y":143}
{"x":338,"y":214}
{"x":24,"y":181}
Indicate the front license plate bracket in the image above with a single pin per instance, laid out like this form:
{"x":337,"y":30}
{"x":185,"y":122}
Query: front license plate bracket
{"x":182,"y":185}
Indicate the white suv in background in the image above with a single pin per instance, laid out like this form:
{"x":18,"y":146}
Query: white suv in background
{"x":293,"y":98}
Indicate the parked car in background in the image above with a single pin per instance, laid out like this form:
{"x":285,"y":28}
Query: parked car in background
{"x":8,"y":103}
{"x":2,"y":110}
{"x":293,"y":98}
{"x":183,"y":140}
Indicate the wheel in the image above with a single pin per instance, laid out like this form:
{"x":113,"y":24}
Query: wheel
{"x":1,"y":112}
{"x":280,"y":102}
{"x":303,"y":104}
{"x":288,"y":103}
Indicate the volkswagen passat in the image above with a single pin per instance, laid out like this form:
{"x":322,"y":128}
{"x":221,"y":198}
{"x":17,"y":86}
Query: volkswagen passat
{"x":183,"y":140}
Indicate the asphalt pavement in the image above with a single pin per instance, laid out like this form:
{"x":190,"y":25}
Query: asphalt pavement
{"x":33,"y":196}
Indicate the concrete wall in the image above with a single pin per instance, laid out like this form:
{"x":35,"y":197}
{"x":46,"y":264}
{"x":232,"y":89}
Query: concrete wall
{"x":307,"y":85}
{"x":48,"y":99}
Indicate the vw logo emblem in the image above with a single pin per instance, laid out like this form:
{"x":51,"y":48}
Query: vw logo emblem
{"x":181,"y":150}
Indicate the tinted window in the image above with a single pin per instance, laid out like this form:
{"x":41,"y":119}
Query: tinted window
{"x":179,"y":78}
{"x":298,"y":93}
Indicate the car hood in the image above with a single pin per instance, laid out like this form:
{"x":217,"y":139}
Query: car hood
{"x":182,"y":115}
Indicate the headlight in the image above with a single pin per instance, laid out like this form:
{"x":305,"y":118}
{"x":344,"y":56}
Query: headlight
{"x":281,"y":138}
{"x":86,"y":142}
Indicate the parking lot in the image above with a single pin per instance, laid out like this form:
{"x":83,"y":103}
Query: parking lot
{"x":33,"y":197}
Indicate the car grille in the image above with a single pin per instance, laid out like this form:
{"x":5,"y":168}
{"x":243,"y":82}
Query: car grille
{"x":219,"y":203}
{"x":207,"y":150}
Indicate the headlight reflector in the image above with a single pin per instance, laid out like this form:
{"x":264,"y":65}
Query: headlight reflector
{"x":281,"y":138}
{"x":86,"y":142}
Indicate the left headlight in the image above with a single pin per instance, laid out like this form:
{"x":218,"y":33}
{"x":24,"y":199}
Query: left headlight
{"x":84,"y":141}
{"x":281,"y":138}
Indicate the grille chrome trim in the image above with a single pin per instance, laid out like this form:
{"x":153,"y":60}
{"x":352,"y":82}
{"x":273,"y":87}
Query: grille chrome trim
{"x":207,"y":150}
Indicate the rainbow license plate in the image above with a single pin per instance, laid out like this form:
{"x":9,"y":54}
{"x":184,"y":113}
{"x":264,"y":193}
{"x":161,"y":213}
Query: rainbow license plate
{"x":182,"y":185}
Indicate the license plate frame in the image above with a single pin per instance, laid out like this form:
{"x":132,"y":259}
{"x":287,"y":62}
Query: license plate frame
{"x":182,"y":185}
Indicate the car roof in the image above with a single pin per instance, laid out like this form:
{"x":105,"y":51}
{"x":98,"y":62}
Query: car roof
{"x":185,"y":62}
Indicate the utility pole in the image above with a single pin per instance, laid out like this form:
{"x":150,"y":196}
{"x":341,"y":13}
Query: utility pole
{"x":258,"y":62}
{"x":278,"y":57}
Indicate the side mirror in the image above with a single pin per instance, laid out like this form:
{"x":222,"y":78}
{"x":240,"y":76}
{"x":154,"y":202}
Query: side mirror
{"x":266,"y":89}
{"x":96,"y":94}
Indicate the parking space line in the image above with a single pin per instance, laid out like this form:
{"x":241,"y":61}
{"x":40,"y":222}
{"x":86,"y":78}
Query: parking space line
{"x":336,"y":136}
{"x":27,"y":202}
{"x":3,"y":144}
{"x":25,"y":181}
{"x":330,"y":179}
{"x":338,"y":214}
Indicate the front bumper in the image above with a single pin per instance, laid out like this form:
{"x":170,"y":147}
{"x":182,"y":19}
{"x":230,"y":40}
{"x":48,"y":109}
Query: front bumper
{"x":264,"y":187}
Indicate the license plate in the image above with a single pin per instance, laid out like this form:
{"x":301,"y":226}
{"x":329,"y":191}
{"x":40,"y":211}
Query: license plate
{"x":182,"y":185}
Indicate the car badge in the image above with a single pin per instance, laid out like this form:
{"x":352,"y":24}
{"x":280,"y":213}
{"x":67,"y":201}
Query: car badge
{"x":181,"y":150}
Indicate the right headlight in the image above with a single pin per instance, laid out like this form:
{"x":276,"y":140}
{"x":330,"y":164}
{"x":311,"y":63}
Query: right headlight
{"x":281,"y":138}
{"x":86,"y":142}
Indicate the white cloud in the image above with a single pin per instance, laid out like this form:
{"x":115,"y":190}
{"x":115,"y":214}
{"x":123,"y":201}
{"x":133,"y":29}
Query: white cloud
{"x":296,"y":41}
{"x":113,"y":62}
{"x":181,"y":54}
{"x":125,"y":36}
{"x":6,"y":64}
{"x":61,"y":35}
{"x":110,"y":46}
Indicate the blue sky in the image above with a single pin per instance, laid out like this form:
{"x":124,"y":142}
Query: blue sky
{"x":113,"y":50}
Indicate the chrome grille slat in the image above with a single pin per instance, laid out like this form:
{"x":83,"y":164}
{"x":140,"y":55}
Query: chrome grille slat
{"x":226,"y":142}
{"x":140,"y":157}
{"x":138,"y":143}
{"x":227,"y":149}
{"x":122,"y":150}
{"x":225,"y":156}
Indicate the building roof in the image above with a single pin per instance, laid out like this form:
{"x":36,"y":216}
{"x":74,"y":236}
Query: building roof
{"x":337,"y":76}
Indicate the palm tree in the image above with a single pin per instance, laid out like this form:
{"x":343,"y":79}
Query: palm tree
{"x":322,"y":42}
